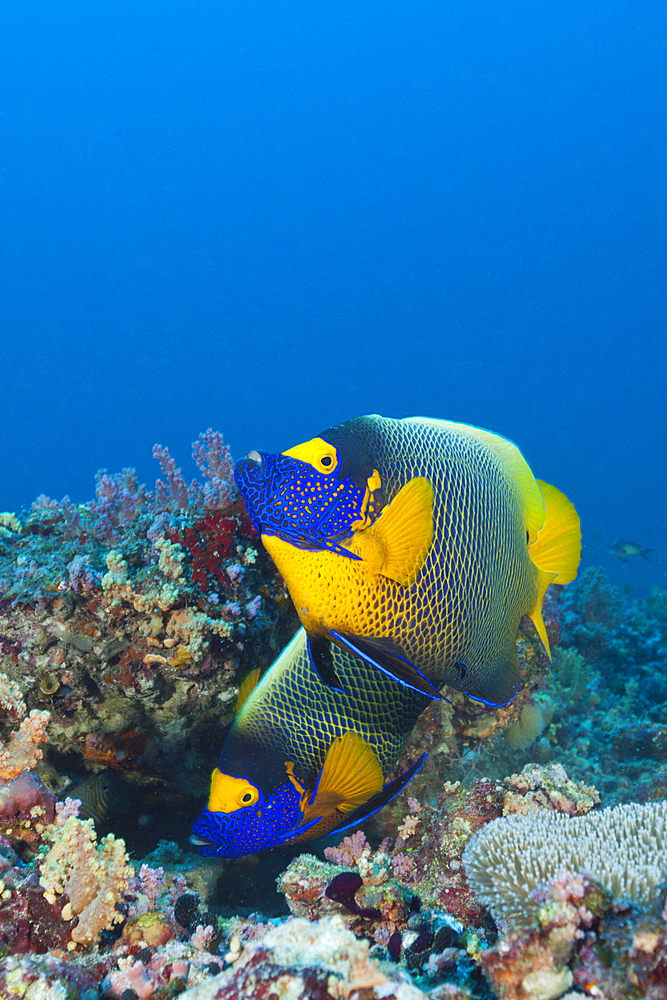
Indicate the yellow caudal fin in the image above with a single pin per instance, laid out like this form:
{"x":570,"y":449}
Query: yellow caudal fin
{"x":350,"y":776}
{"x":398,"y":543}
{"x":557,"y":549}
{"x":248,"y":685}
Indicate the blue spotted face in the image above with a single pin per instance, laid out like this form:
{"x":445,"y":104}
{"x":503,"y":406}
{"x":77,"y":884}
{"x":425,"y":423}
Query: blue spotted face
{"x":271,"y":821}
{"x":312,"y":495}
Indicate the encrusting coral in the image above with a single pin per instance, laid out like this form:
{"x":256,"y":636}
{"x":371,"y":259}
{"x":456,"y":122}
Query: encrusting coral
{"x":623,"y":849}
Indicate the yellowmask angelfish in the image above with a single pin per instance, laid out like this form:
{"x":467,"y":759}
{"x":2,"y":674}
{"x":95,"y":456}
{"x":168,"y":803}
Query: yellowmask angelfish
{"x":415,"y":544}
{"x":303,"y":759}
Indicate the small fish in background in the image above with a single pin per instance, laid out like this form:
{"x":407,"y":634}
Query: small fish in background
{"x":102,"y":796}
{"x":628,"y":550}
{"x":415,"y":544}
{"x":302,"y":759}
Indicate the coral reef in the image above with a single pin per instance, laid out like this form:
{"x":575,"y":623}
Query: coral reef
{"x":127,"y":620}
{"x":126,"y":627}
{"x":622,"y":848}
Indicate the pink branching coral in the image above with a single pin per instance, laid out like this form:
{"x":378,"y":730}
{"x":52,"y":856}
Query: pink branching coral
{"x":70,"y":807}
{"x":349,"y":851}
{"x":404,"y":867}
{"x":214,"y":460}
{"x":22,"y":750}
{"x":93,"y":877}
{"x":173,"y":492}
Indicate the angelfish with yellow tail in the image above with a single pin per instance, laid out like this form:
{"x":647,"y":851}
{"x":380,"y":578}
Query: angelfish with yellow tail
{"x":416,"y":545}
{"x":302,"y":759}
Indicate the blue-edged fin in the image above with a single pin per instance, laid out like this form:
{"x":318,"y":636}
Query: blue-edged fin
{"x":248,"y":685}
{"x":556,"y":550}
{"x":380,"y":800}
{"x":499,"y":681}
{"x":397,"y":544}
{"x":387,"y":657}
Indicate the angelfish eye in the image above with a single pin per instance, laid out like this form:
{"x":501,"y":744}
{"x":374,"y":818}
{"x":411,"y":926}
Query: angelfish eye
{"x":326,"y":461}
{"x":249,"y":797}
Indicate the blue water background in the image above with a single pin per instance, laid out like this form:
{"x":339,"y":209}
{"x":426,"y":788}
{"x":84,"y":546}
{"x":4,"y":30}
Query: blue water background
{"x":268,"y":217}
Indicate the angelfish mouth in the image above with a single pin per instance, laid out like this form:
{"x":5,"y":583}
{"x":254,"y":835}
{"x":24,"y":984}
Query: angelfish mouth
{"x":199,"y":841}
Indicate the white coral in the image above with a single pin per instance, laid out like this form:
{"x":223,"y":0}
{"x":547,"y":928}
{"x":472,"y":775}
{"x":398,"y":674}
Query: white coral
{"x":624,"y":849}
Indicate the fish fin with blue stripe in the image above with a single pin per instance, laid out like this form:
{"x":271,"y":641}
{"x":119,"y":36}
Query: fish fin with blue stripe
{"x":387,"y":657}
{"x":382,"y":798}
{"x":496,"y":683}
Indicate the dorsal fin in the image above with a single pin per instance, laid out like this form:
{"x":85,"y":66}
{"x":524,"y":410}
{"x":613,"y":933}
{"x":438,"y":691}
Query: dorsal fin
{"x":397,"y":544}
{"x":248,"y":685}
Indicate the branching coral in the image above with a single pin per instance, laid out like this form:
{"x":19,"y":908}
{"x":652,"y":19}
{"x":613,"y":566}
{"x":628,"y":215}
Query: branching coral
{"x":92,"y":876}
{"x":622,"y":848}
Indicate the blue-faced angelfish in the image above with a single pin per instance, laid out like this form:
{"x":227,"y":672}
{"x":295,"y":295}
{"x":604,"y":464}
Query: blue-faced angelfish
{"x":415,"y":544}
{"x":303,"y":759}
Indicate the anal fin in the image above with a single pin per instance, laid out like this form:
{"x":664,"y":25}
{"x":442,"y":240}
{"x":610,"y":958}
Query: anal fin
{"x":387,"y":657}
{"x":382,"y":798}
{"x":497,"y":683}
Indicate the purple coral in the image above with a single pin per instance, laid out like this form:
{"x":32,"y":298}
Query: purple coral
{"x":119,"y":498}
{"x":81,"y":574}
{"x":214,"y":460}
{"x":349,"y":851}
{"x":173,"y":492}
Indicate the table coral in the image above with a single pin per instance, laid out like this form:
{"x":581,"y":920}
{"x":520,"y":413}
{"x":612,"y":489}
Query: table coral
{"x":623,"y":849}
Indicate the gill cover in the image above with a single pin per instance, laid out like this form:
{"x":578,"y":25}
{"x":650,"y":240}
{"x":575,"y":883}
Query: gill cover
{"x":311,"y":495}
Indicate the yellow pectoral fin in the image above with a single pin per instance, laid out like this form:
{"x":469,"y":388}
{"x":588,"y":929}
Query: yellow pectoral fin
{"x":351,"y":775}
{"x":557,"y":548}
{"x":398,"y":543}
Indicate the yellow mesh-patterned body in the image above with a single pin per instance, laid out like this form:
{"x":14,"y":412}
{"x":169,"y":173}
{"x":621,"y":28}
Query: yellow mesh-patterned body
{"x":296,"y":717}
{"x":477,"y":579}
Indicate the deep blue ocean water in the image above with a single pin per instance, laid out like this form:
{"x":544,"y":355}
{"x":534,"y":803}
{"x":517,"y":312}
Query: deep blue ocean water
{"x":269,"y":217}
